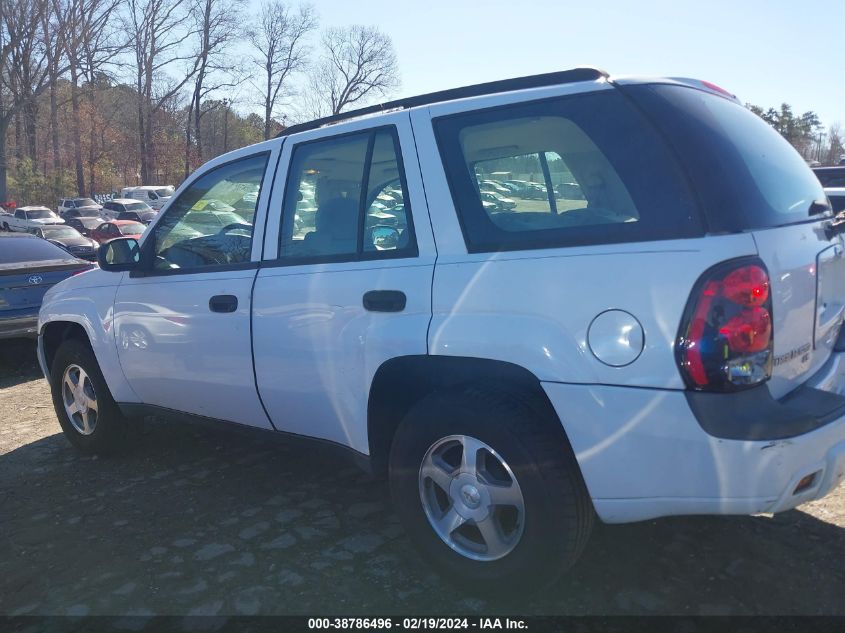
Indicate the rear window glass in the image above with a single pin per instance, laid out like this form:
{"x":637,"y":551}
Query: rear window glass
{"x":584,"y":169}
{"x":21,"y":249}
{"x":747,"y":174}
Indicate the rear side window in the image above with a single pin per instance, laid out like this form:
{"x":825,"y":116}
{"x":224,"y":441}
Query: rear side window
{"x":346,"y":200}
{"x":585,"y":169}
{"x":747,"y":174}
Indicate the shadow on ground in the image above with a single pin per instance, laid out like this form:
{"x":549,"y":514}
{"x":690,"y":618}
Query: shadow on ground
{"x":210,"y":521}
{"x":18,"y":362}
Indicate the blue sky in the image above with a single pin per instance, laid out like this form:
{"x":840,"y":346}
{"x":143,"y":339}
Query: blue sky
{"x":765,"y":52}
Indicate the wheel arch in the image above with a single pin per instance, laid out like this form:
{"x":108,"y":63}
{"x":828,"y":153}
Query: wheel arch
{"x":402,"y":381}
{"x":56,"y":328}
{"x":54,"y":333}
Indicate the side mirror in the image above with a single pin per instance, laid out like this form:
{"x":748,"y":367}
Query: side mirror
{"x":385,"y":238}
{"x":123,"y":253}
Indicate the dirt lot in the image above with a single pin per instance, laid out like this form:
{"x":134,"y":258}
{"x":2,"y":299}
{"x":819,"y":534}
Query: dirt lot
{"x":211,"y":521}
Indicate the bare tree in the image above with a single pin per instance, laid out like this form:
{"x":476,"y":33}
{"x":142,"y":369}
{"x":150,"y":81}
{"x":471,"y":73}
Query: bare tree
{"x":88,"y":32}
{"x":835,"y":145}
{"x":158,"y":30}
{"x":358,"y":63}
{"x":23,"y":72}
{"x":53,"y":20}
{"x":280,"y":50}
{"x":218,"y":26}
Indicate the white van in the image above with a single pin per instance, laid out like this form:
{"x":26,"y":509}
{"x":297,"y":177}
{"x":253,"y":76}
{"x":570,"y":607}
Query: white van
{"x":154,"y":195}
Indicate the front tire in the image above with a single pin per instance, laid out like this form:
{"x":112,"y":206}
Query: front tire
{"x":87,"y":413}
{"x":489,"y":490}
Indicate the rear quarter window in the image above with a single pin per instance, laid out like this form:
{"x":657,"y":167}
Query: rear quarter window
{"x":583,"y":169}
{"x":747,"y":175}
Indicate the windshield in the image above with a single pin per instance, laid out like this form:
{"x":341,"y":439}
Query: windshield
{"x":746,"y":173}
{"x":164,"y":192}
{"x":136,"y":206}
{"x":60,"y":231}
{"x":41,"y":214}
{"x":132,"y":229}
{"x":87,"y":213}
{"x":85,"y":202}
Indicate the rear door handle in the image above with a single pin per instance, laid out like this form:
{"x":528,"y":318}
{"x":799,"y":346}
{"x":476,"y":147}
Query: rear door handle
{"x":385,"y":301}
{"x":223,"y":303}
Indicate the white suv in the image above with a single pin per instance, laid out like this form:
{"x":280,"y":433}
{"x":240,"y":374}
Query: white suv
{"x":665,"y":342}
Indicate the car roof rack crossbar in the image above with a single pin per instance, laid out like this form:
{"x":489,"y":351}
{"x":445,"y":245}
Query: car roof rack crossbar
{"x":490,"y":87}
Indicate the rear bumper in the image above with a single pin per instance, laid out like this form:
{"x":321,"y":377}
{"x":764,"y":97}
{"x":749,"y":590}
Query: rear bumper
{"x":644,"y":454}
{"x":19,"y":324}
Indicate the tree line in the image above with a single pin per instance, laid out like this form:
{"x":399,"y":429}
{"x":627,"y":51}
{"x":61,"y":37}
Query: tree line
{"x":99,"y":94}
{"x":805,"y":132}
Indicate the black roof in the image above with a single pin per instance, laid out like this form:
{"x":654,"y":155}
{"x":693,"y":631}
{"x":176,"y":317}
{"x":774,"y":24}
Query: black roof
{"x":490,"y":87}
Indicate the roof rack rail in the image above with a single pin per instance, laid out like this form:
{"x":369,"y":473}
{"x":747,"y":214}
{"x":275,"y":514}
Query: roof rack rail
{"x":490,"y":87}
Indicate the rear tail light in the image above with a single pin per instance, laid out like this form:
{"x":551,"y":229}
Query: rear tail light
{"x":725,"y":341}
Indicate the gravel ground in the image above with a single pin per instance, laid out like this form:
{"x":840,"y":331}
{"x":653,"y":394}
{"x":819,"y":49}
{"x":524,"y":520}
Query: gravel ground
{"x":216,"y":521}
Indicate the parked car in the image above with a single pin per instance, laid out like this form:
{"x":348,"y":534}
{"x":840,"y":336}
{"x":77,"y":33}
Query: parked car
{"x":672,"y":347}
{"x":28,"y":268}
{"x":836,"y":195}
{"x":82,"y":212}
{"x":830,"y":176}
{"x":113,"y":208}
{"x":527,"y":190}
{"x":569,"y":191}
{"x":154,"y":196}
{"x":26,"y":218}
{"x":501,"y":202}
{"x":113,"y":229}
{"x":144,"y":217}
{"x":69,"y":239}
{"x":79,"y":207}
{"x":84,"y":225}
{"x":493,"y":185}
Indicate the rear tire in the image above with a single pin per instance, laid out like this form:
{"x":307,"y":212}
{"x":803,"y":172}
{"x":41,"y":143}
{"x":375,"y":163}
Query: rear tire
{"x":87,"y":413}
{"x":529,"y":483}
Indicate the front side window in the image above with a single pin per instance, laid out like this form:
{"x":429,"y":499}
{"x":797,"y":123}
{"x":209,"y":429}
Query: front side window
{"x":201,"y":228}
{"x":346,"y":200}
{"x":585,"y":169}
